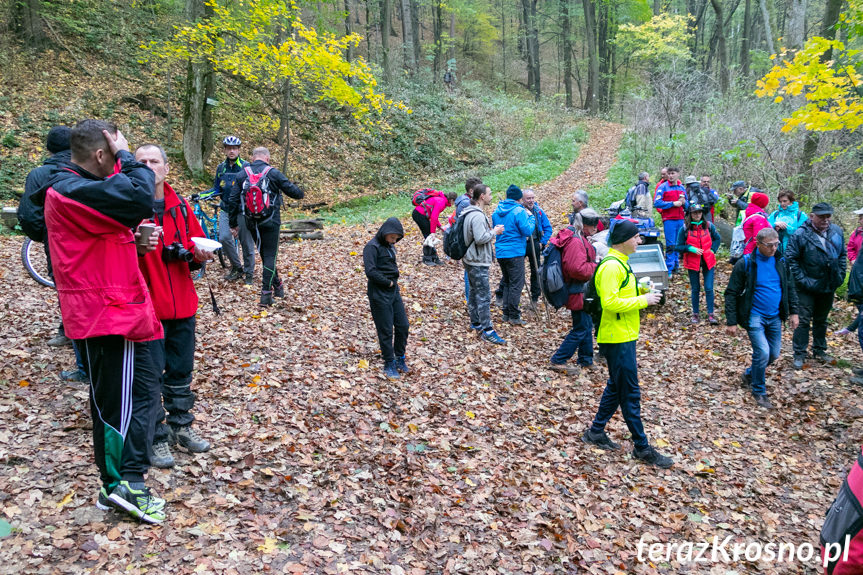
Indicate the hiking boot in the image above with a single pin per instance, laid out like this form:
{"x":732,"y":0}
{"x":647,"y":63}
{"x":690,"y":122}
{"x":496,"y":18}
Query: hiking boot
{"x":746,"y":380}
{"x":858,"y":371}
{"x":401,"y":365}
{"x":390,"y":371}
{"x":234,"y":275}
{"x":59,"y":340}
{"x":136,"y":500}
{"x":600,"y":440}
{"x":161,"y":456}
{"x":798,"y":362}
{"x":266,"y":299}
{"x":103,"y":502}
{"x":694,"y":319}
{"x":762,"y":401}
{"x":187,"y":437}
{"x":823,"y":357}
{"x":517,"y":321}
{"x":279,"y":290}
{"x":563,"y":368}
{"x":856,"y":380}
{"x":492,"y":337}
{"x":712,"y":319}
{"x":74,"y":375}
{"x":248,"y":279}
{"x":653,"y":457}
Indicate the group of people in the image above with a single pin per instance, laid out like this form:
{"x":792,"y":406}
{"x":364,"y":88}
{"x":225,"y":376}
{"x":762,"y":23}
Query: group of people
{"x":130,"y":313}
{"x":791,"y":266}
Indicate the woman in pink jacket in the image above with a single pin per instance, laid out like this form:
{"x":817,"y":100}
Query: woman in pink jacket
{"x":755,"y":220}
{"x":426,"y":215}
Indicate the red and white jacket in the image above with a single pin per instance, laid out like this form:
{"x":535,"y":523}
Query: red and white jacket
{"x":171,"y":285}
{"x":93,"y":254}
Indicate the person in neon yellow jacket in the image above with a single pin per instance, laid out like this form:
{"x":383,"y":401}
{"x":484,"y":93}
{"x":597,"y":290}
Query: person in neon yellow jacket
{"x":618,"y":333}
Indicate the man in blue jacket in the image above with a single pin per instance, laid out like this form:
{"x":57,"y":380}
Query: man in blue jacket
{"x":518,"y":225}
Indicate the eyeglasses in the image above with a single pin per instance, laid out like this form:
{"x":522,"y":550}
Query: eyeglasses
{"x":770,"y":245}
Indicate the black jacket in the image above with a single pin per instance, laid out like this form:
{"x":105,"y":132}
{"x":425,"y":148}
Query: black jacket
{"x":226,"y":173}
{"x":379,"y":258}
{"x":817,"y":269}
{"x":741,"y":287}
{"x":30,"y":216}
{"x":278,"y":184}
{"x":855,"y":282}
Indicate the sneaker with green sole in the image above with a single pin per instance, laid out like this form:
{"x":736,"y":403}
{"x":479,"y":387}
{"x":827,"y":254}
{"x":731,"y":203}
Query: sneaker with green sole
{"x":103,"y":501}
{"x":136,"y":500}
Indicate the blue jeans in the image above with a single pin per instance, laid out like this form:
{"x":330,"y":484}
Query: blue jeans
{"x":765,"y":333}
{"x":479,"y":300}
{"x":671,"y":228}
{"x":466,"y":286}
{"x":695,"y":288}
{"x":621,"y":390}
{"x":579,"y":338}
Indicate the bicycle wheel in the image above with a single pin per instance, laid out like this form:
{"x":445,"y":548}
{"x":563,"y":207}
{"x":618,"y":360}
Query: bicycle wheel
{"x":36,"y":263}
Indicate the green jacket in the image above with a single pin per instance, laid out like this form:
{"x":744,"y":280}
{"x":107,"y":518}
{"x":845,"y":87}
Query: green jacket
{"x":620,"y":321}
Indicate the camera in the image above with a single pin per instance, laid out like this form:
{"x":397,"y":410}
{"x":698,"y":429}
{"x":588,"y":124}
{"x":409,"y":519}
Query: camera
{"x":177,"y":253}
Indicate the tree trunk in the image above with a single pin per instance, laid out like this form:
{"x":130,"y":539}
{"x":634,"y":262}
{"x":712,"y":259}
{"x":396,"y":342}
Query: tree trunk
{"x":744,"y":41}
{"x":285,"y":124}
{"x":503,"y":42}
{"x":810,"y":144}
{"x":349,"y":55}
{"x":386,"y":6}
{"x":723,"y":49}
{"x":768,"y":29}
{"x":451,"y":55}
{"x":197,"y":112}
{"x":534,"y":45}
{"x":27,"y":21}
{"x":408,"y":37}
{"x":657,"y":7}
{"x":795,"y":30}
{"x":415,"y":31}
{"x":437,"y":24}
{"x":567,"y":50}
{"x":606,"y":26}
{"x":591,"y":100}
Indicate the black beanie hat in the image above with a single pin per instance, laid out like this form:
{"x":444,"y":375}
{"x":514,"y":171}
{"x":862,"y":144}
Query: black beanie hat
{"x":513,"y":192}
{"x":58,"y":139}
{"x":623,"y":231}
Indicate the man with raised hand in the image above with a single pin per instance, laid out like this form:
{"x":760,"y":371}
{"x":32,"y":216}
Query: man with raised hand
{"x":91,"y":206}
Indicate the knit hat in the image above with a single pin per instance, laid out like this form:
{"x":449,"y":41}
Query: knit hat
{"x":58,"y":139}
{"x":760,"y":200}
{"x":623,"y":230}
{"x":513,"y":192}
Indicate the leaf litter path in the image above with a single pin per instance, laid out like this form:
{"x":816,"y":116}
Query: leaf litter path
{"x":472,"y":464}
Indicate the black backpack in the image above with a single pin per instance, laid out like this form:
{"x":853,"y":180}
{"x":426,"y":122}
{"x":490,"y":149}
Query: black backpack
{"x":454,"y":244}
{"x":592,"y":301}
{"x":554,"y":287}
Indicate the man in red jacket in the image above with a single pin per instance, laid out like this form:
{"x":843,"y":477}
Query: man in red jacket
{"x":91,"y":205}
{"x":167,"y":272}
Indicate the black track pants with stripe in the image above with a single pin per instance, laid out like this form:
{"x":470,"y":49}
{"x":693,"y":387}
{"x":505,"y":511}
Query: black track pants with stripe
{"x":124,"y":401}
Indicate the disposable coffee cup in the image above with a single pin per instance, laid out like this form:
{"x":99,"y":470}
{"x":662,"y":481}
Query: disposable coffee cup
{"x":146,"y":230}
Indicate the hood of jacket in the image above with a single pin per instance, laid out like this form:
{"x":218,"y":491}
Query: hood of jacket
{"x":563,"y":237}
{"x":391,"y":226}
{"x":59,"y":159}
{"x":791,"y":210}
{"x":506,"y":206}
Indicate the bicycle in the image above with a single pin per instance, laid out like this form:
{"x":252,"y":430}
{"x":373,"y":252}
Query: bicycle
{"x":210,"y":224}
{"x":36,"y":262}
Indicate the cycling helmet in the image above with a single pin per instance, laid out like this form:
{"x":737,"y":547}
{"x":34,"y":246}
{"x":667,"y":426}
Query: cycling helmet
{"x":696,"y":208}
{"x":231,"y":141}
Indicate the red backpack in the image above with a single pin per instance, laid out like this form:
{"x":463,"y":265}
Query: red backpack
{"x":842,"y":532}
{"x":257,"y":198}
{"x":421,"y":196}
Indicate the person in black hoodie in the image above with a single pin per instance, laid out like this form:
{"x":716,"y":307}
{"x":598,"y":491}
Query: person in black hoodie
{"x":264,"y":230}
{"x":388,"y":310}
{"x":32,"y":220}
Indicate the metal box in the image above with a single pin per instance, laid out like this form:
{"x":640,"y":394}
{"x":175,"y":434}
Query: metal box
{"x":649,"y":261}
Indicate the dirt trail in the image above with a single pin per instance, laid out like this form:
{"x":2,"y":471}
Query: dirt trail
{"x":471,"y":464}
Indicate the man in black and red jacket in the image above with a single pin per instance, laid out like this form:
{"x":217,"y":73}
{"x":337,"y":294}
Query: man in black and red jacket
{"x":265,"y":230}
{"x":168,"y":275}
{"x":91,"y":205}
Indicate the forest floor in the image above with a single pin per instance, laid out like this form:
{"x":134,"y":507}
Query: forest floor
{"x":473,"y":463}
